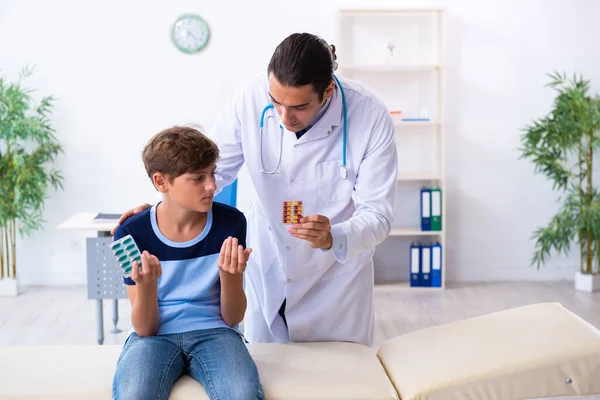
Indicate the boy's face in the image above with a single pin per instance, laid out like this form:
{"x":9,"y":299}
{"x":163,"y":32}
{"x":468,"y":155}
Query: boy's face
{"x":193,"y":191}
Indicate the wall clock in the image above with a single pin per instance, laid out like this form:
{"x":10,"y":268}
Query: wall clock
{"x":190,"y":33}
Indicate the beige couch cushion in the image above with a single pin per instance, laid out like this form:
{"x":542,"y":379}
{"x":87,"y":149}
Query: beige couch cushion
{"x":541,"y":350}
{"x":288,"y":371}
{"x":57,"y":372}
{"x":302,"y":371}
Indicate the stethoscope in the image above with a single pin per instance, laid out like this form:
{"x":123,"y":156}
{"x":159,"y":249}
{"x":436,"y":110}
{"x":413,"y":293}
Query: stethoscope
{"x":343,"y":169}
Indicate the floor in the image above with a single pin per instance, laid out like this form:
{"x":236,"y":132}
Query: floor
{"x":63,"y":315}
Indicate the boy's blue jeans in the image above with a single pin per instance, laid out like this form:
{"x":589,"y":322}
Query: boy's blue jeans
{"x":217,"y":358}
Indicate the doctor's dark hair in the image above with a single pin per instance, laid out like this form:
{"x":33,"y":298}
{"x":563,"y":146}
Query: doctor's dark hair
{"x":303,"y":59}
{"x":179,"y":150}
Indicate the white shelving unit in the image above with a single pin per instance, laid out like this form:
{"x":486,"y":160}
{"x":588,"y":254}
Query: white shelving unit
{"x":400,"y":55}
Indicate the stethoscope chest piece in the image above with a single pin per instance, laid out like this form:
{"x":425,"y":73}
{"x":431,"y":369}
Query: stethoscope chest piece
{"x":343,"y":172}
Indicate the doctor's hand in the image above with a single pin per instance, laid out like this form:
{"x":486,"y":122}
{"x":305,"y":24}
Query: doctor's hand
{"x":129,"y":213}
{"x":233,"y":257}
{"x":316,"y":229}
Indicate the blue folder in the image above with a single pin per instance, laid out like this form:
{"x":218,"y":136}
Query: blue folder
{"x":415,"y":264}
{"x":426,"y":251}
{"x":436,"y":265}
{"x":425,"y":209}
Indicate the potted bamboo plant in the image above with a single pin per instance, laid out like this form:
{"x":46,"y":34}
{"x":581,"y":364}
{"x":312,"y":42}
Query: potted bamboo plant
{"x":27,"y":149}
{"x":562,"y":146}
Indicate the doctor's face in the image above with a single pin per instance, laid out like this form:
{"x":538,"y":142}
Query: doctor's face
{"x":297,"y":106}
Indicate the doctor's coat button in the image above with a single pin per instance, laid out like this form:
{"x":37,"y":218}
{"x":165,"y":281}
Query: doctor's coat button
{"x":288,"y":247}
{"x":295,"y":145}
{"x":340,"y":247}
{"x":291,"y":181}
{"x":288,"y":280}
{"x":328,"y":133}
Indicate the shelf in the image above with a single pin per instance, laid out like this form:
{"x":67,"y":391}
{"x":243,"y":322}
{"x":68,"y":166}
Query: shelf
{"x":412,"y":231}
{"x":390,"y":68}
{"x":415,"y":123}
{"x":384,"y":286}
{"x":417,"y":176}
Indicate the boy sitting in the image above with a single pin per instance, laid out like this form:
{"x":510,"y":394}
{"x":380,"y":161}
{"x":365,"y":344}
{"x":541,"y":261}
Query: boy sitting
{"x":187,"y":299}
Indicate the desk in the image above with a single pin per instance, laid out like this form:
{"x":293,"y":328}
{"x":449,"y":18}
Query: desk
{"x":104,"y":278}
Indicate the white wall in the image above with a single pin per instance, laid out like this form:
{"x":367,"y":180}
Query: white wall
{"x":118,"y":80}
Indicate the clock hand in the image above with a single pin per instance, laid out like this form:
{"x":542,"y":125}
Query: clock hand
{"x":190,"y":34}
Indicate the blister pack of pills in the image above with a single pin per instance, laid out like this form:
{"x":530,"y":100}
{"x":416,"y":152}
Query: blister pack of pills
{"x":126,"y":252}
{"x":291,"y":212}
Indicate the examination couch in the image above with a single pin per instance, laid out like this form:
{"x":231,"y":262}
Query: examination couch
{"x":539,"y":350}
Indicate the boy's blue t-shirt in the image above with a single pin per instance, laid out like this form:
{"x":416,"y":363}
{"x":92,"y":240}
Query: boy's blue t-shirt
{"x":189,"y":289}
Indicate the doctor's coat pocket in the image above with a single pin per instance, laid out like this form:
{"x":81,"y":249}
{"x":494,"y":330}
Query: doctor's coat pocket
{"x":331,"y":186}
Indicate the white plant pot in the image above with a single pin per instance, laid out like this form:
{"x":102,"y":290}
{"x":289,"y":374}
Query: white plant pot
{"x":587,"y":282}
{"x":9,"y":287}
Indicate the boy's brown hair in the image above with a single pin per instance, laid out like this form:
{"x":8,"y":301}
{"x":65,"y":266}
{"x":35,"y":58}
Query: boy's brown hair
{"x":179,"y":150}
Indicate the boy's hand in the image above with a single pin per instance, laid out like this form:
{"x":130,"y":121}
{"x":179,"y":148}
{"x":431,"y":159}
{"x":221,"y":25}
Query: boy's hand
{"x":233,"y":257}
{"x":150,"y":272}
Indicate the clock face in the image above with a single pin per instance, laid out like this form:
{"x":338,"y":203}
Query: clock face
{"x":190,"y":33}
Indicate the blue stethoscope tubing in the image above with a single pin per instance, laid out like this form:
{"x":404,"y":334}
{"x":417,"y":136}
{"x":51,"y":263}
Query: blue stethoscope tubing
{"x":343,"y":168}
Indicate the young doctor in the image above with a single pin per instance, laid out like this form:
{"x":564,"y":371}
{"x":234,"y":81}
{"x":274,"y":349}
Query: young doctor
{"x":307,"y":135}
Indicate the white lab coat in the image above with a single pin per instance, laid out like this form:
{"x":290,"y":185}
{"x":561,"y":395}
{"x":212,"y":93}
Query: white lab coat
{"x":329,"y":294}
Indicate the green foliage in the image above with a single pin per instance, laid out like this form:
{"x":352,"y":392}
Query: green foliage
{"x":561,"y":145}
{"x":27,"y":148}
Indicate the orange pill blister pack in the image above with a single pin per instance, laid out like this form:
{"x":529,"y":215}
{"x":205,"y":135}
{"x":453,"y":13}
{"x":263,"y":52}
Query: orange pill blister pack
{"x":291,"y":212}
